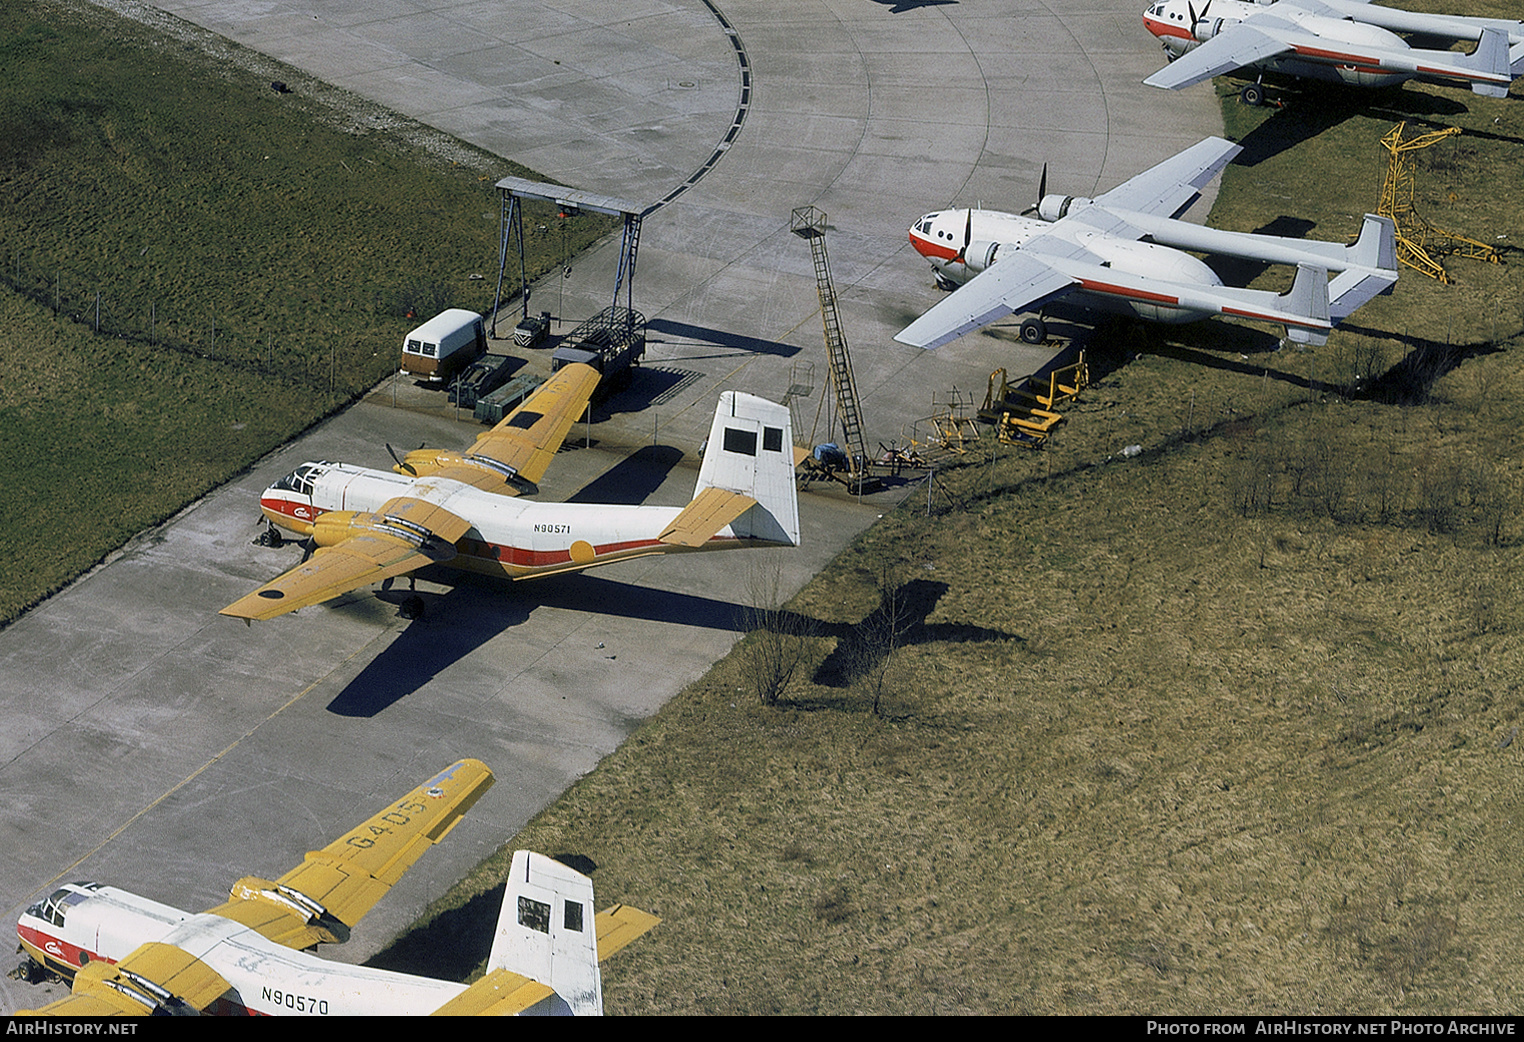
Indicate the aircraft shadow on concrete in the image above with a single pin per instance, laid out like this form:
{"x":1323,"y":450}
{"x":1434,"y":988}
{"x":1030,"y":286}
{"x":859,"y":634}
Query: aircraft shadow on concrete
{"x":477,"y":609}
{"x":454,"y":943}
{"x":902,"y":6}
{"x":451,"y":946}
{"x":633,"y":479}
{"x":703,"y":336}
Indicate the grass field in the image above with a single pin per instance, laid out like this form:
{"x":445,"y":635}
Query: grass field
{"x":252,"y":259}
{"x":1228,"y":726}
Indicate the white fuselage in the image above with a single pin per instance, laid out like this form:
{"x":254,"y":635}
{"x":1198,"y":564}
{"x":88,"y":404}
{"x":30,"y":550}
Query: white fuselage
{"x":1339,"y":61}
{"x":1359,"y":49}
{"x":939,"y":237}
{"x":509,"y":535}
{"x":104,"y":924}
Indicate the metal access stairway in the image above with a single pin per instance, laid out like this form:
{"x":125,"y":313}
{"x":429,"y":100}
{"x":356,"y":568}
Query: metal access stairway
{"x":808,"y":222}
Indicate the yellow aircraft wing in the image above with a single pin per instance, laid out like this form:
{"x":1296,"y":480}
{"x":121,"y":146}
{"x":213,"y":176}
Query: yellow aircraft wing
{"x":328,"y":893}
{"x":154,"y":979}
{"x":404,"y":535}
{"x":527,"y":439}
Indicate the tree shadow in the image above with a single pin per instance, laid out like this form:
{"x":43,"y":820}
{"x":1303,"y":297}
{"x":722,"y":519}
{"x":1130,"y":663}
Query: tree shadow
{"x":902,"y":611}
{"x":478,"y":608}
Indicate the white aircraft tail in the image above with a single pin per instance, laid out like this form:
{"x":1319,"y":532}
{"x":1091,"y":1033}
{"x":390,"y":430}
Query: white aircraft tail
{"x":1372,"y":270}
{"x":1377,"y":245}
{"x":1516,"y":60}
{"x":751,"y":452}
{"x":545,"y":932}
{"x":1308,"y":297}
{"x":1491,"y":56}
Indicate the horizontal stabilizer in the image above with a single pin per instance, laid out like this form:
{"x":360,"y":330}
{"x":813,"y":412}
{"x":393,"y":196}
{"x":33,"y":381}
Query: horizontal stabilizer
{"x":620,"y":925}
{"x":500,"y":993}
{"x":711,"y":510}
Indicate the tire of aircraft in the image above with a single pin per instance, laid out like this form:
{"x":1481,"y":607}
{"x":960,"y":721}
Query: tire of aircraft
{"x":1034,"y":331}
{"x":1252,"y":94}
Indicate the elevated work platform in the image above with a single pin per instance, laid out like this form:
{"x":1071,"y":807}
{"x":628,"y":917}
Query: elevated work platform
{"x":515,"y":191}
{"x":1025,"y":412}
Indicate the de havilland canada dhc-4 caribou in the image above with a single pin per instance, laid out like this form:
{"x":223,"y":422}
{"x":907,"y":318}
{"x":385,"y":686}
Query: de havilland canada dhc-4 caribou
{"x":1123,"y":251}
{"x":132,"y":956}
{"x":1340,"y":41}
{"x":460,"y":508}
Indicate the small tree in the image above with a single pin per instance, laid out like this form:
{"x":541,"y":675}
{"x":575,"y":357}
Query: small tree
{"x":775,"y":643}
{"x":883,"y":631}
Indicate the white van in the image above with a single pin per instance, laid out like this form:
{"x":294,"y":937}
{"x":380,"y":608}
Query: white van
{"x":444,"y":345}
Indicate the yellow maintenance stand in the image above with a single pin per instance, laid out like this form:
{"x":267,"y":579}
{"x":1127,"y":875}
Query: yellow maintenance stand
{"x":1026,"y":412}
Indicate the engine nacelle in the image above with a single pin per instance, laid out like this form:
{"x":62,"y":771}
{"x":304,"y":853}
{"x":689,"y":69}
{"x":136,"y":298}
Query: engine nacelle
{"x":420,"y":463}
{"x":1057,"y":207}
{"x":980,"y":255}
{"x":1206,"y":28}
{"x":1358,"y":34}
{"x":335,"y":526}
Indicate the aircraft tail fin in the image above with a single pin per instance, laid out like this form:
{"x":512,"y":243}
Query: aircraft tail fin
{"x":1516,"y":60}
{"x":1308,"y":297}
{"x":750,"y":452}
{"x":546,"y":933}
{"x":1491,"y":56}
{"x":1377,"y":245}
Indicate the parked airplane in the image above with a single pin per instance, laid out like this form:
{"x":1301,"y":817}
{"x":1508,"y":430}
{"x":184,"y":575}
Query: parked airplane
{"x":455,"y":508}
{"x":1343,"y":41}
{"x":132,"y":956}
{"x":1114,"y":253}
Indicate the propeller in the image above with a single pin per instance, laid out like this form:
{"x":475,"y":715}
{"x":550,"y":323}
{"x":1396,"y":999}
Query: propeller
{"x":1195,"y":18}
{"x":968,"y":237}
{"x":399,"y":461}
{"x":1042,"y":190}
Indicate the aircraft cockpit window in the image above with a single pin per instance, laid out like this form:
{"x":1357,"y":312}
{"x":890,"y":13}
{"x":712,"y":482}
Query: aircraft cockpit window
{"x":573,"y":916}
{"x":534,"y":914}
{"x":58,"y":904}
{"x":301,"y":479}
